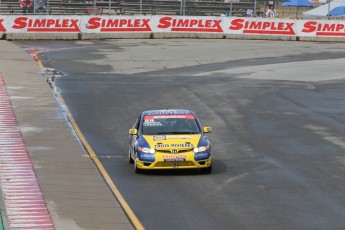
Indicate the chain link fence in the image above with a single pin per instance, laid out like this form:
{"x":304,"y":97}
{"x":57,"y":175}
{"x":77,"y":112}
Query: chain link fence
{"x":240,"y":8}
{"x":132,"y":7}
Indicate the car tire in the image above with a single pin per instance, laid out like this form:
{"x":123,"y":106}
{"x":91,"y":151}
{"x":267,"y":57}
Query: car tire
{"x":130,"y":159}
{"x":136,"y":169}
{"x":207,"y":170}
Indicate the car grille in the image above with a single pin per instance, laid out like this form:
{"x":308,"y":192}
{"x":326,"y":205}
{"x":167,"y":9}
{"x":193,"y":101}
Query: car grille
{"x":178,"y":151}
{"x":174,"y":164}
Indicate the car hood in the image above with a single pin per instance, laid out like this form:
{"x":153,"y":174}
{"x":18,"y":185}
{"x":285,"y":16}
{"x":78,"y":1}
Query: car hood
{"x":166,"y":142}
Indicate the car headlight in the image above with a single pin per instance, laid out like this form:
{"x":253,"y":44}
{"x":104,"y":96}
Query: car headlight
{"x":146,"y":150}
{"x":201,"y":148}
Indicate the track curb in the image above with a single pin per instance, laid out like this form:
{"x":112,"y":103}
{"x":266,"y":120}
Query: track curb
{"x":124,"y":205}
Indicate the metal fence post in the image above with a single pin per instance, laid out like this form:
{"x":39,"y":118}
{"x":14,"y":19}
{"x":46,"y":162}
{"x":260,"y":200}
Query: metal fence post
{"x":48,"y":7}
{"x":329,"y":9}
{"x":230,"y":12}
{"x":141,"y":6}
{"x":255,"y":8}
{"x":181,"y":5}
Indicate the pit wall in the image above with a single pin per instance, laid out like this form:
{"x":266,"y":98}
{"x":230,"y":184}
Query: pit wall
{"x":160,"y":26}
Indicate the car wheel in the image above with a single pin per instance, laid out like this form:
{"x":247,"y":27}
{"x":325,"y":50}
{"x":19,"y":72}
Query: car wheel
{"x":136,"y":169}
{"x":130,"y":159}
{"x":207,"y":170}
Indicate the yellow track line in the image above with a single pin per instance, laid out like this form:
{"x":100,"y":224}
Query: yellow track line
{"x":133,"y":218}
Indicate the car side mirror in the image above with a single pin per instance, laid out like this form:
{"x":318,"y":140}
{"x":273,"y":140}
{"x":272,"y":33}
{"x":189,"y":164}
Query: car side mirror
{"x":133,"y":132}
{"x":207,"y":129}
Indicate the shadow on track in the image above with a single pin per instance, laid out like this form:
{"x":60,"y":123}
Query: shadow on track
{"x":218,"y":168}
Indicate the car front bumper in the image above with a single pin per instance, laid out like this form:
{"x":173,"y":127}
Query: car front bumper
{"x":188,"y":164}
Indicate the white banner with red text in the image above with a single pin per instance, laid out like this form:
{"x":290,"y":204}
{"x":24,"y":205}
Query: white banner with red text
{"x":19,"y":24}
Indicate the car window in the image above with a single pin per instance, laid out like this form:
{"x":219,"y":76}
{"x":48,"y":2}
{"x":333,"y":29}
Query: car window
{"x":170,"y":124}
{"x":137,"y":123}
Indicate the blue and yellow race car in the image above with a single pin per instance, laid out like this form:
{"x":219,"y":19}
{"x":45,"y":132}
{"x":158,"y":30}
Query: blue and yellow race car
{"x":169,"y":139}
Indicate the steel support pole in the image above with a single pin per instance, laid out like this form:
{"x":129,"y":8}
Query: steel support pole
{"x":141,"y":6}
{"x":329,"y":9}
{"x":181,"y":6}
{"x":109,"y":7}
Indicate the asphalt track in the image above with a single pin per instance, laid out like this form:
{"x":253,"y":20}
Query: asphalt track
{"x":276,"y":108}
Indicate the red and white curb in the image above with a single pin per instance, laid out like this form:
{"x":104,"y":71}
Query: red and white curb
{"x":24,"y":202}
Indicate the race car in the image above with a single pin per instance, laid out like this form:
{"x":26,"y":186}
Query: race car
{"x":169,"y":139}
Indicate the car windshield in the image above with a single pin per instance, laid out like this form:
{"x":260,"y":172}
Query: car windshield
{"x":170,"y":124}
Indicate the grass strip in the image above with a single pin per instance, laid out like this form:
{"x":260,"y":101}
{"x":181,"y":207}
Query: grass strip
{"x":1,"y":227}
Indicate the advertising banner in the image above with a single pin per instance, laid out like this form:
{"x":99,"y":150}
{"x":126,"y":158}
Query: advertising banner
{"x":42,"y":24}
{"x":90,"y":24}
{"x":190,"y":24}
{"x":2,"y":25}
{"x":261,"y":26}
{"x":116,"y":24}
{"x":321,"y":28}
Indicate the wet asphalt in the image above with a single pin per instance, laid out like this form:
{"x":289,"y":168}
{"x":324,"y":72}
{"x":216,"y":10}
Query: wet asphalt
{"x":277,"y":113}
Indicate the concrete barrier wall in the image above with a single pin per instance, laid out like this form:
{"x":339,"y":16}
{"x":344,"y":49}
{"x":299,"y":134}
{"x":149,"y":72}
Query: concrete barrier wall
{"x":161,"y":26}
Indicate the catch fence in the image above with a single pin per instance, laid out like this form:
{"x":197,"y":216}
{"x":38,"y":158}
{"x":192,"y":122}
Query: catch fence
{"x":239,"y":8}
{"x":145,"y":7}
